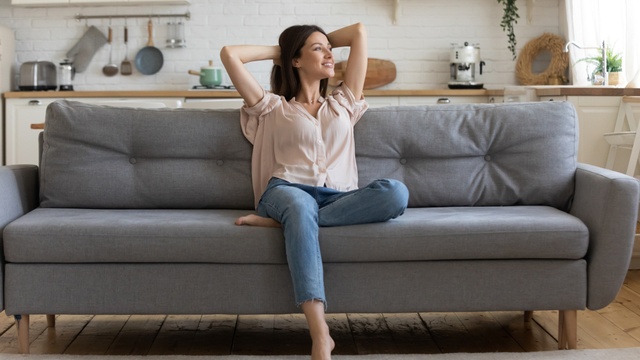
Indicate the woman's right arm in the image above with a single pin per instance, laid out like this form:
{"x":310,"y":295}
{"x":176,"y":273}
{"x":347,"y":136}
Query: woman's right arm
{"x":234,"y":57}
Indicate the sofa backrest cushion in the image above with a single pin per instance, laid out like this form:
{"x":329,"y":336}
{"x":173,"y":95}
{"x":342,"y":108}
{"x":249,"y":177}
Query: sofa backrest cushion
{"x":474,"y":154}
{"x":448,"y":155}
{"x":105,"y":157}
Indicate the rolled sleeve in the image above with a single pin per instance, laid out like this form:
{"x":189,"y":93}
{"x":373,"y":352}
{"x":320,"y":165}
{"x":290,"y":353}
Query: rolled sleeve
{"x":250,"y":117}
{"x":356,"y":107}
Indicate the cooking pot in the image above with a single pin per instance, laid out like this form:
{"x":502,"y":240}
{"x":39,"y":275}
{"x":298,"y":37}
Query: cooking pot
{"x":209,"y":75}
{"x":38,"y":75}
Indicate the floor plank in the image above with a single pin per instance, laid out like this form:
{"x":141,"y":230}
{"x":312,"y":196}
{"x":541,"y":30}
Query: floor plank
{"x":9,"y":340}
{"x":56,"y":340}
{"x":98,"y":335}
{"x":137,"y":335}
{"x":632,"y":281}
{"x":623,"y":319}
{"x":215,"y":335}
{"x":292,"y":332}
{"x":341,"y":334}
{"x":530,"y":336}
{"x":485,"y":333}
{"x":447,"y":331}
{"x":410,"y":335}
{"x":176,"y":335}
{"x":254,"y":335}
{"x":629,"y":299}
{"x":593,"y":323}
{"x":371,"y":334}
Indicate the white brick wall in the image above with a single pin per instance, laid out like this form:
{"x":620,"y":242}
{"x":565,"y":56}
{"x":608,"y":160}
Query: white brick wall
{"x":419,"y":43}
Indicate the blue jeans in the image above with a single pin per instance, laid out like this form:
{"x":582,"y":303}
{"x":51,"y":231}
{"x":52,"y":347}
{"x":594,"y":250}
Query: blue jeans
{"x":302,"y":209}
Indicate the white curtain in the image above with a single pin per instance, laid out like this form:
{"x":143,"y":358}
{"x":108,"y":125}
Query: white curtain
{"x":590,"y":22}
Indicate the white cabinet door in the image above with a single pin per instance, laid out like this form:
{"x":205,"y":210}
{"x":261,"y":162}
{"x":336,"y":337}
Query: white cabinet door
{"x":39,"y":2}
{"x":231,"y":103}
{"x":22,"y":141}
{"x":433,"y":100}
{"x":553,"y":98}
{"x":43,"y":3}
{"x":596,"y":116}
{"x":380,"y":101}
{"x":147,"y":103}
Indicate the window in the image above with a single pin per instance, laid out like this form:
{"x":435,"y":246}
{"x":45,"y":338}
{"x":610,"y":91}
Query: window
{"x":590,"y":22}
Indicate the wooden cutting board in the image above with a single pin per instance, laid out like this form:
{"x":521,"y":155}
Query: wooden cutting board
{"x":379,"y":73}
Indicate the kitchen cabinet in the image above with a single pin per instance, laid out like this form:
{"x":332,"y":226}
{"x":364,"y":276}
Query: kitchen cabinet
{"x":43,"y":3}
{"x":434,"y":100}
{"x":7,"y":54}
{"x":553,"y":98}
{"x":223,"y":103}
{"x":597,"y":116}
{"x":21,"y":142}
{"x":379,"y":101}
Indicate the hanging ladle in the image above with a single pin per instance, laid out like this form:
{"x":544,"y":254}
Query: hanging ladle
{"x":110,"y":69}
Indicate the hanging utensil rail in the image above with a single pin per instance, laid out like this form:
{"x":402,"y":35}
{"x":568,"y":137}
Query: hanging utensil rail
{"x":186,"y":15}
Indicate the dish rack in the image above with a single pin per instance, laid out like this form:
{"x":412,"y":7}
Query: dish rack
{"x":625,"y":139}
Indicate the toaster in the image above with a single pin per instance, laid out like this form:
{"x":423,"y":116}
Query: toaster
{"x":38,"y":75}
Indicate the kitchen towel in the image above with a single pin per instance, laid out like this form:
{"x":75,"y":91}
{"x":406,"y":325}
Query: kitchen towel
{"x":82,"y":52}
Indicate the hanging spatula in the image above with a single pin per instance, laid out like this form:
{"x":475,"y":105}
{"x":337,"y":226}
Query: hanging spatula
{"x":125,"y":66}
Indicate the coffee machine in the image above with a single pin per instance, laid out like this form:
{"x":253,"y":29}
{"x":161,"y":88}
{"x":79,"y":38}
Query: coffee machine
{"x":463,"y":61}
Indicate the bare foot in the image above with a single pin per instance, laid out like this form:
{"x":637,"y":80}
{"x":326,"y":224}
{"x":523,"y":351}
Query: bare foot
{"x":322,"y":348}
{"x":255,"y":220}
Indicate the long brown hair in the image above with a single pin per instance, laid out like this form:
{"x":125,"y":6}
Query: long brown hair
{"x":285,"y":80}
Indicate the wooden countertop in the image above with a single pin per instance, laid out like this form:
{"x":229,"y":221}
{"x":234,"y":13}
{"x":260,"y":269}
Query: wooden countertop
{"x":540,"y":91}
{"x":585,"y":91}
{"x":226,"y":93}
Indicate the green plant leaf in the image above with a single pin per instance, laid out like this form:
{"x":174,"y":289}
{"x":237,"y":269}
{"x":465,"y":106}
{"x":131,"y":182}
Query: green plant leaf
{"x":509,"y":18}
{"x":614,"y":61}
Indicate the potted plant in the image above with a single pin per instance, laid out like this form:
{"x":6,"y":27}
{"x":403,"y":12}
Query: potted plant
{"x":614,"y":66}
{"x":509,"y":18}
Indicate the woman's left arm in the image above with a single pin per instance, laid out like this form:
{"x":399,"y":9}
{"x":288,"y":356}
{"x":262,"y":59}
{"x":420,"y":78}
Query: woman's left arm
{"x":354,"y":36}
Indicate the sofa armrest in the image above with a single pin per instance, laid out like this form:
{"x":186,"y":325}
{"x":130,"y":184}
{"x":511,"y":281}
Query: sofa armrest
{"x":607,"y":202}
{"x":19,"y":195}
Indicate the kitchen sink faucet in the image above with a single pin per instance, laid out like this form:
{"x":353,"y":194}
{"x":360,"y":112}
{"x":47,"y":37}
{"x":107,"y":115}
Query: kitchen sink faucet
{"x":603,"y":49}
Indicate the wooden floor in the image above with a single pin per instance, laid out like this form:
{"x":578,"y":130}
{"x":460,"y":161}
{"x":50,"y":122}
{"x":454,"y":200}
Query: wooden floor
{"x":615,"y":326}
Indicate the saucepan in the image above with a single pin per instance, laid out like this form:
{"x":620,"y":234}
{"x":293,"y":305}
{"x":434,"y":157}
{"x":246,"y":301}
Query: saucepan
{"x":209,"y":75}
{"x":149,"y":59}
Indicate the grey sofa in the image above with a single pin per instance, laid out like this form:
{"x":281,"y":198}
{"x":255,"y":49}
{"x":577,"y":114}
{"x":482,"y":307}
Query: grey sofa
{"x":132,"y":211}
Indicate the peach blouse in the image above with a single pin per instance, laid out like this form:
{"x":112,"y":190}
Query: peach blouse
{"x":291,"y":144}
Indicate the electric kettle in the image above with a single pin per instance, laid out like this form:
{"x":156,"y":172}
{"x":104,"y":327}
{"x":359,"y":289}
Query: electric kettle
{"x":67,"y":73}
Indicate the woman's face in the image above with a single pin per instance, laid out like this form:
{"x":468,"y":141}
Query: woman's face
{"x":316,"y":60}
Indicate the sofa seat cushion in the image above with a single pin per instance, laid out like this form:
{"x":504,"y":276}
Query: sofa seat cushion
{"x":49,"y":235}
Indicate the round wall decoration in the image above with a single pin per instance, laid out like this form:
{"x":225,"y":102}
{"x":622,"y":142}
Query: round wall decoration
{"x":557,"y":66}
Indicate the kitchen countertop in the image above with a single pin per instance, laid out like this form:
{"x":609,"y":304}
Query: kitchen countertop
{"x":540,"y":91}
{"x":227,"y":93}
{"x":585,"y":91}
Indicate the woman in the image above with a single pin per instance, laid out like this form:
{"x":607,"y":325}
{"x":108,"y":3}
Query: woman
{"x":303,"y":164}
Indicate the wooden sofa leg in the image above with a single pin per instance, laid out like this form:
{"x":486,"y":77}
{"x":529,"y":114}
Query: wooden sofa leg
{"x":528,"y":315}
{"x":568,"y":329}
{"x":22,"y":326}
{"x":51,"y":321}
